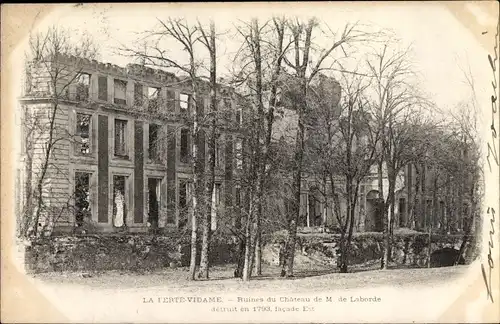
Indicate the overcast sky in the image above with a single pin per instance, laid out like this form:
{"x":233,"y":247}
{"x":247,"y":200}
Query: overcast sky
{"x":441,"y":44}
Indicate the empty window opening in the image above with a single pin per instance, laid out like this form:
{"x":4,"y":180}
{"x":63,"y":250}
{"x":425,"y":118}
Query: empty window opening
{"x":184,"y":154}
{"x":170,"y":101}
{"x":227,"y":108}
{"x":184,"y":101}
{"x":154,"y":195}
{"x":183,"y":202}
{"x":138,"y":94}
{"x":82,"y":86}
{"x":121,"y":138}
{"x":239,"y":154}
{"x":153,"y":98}
{"x":402,"y":212}
{"x":153,"y":142}
{"x":315,"y":210}
{"x":442,"y":210}
{"x":218,"y":154}
{"x":82,"y":198}
{"x":120,"y":92}
{"x":119,"y":201}
{"x":83,"y":123}
{"x":428,"y":213}
{"x":239,"y":119}
{"x":102,"y":85}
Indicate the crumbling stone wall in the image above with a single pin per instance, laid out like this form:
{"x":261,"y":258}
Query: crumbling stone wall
{"x":130,"y":252}
{"x":135,"y":252}
{"x":406,"y":250}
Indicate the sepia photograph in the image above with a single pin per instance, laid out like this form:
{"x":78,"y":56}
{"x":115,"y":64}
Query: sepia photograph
{"x":281,"y":162}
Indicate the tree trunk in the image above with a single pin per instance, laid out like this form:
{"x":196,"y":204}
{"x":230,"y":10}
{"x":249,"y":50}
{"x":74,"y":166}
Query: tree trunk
{"x":460,"y":212}
{"x":45,"y":165}
{"x":253,"y":251}
{"x":299,"y":153}
{"x":392,"y":202}
{"x":270,"y":120}
{"x":247,"y":266}
{"x":27,"y":213}
{"x":238,"y":272}
{"x":424,"y":196}
{"x":27,"y":195}
{"x":342,"y":264}
{"x":385,"y":257}
{"x":447,"y":206}
{"x":301,"y":106}
{"x":194,"y":242}
{"x":258,"y":249}
{"x":207,"y":222}
{"x":347,"y":245}
{"x":206,"y":234}
{"x":350,"y":232}
{"x":433,"y":216}
{"x":411,"y":194}
{"x":251,"y":171}
{"x":416,"y":199}
{"x":261,"y":146}
{"x":470,"y":221}
{"x":196,"y":192}
{"x":388,"y":214}
{"x":381,"y":204}
{"x":290,"y":248}
{"x":194,"y":224}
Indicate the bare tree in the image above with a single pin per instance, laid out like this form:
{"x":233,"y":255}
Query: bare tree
{"x":208,"y":40}
{"x":261,"y":56}
{"x":279,"y":49}
{"x":253,"y":78}
{"x":342,"y":145}
{"x":154,"y":54}
{"x":396,"y":103}
{"x":465,"y":119}
{"x":300,"y":61}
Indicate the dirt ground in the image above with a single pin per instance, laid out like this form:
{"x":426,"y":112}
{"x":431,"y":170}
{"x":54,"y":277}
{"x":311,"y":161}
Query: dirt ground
{"x":115,"y":296}
{"x":221,"y":278}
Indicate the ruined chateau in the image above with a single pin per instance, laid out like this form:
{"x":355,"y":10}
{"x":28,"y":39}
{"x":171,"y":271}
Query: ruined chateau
{"x":121,"y":155}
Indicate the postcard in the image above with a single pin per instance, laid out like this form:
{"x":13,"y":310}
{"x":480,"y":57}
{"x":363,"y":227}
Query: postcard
{"x":280,"y":162}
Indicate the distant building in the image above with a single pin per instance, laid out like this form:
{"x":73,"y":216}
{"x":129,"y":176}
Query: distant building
{"x":317,"y":208}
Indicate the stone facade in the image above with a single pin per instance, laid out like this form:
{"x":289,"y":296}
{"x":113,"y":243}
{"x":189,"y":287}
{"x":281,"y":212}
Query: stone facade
{"x":122,"y":145}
